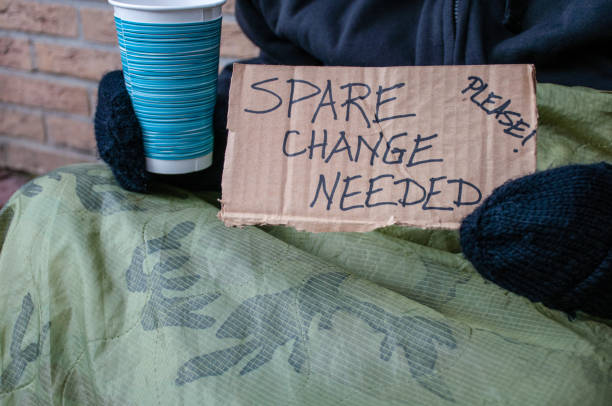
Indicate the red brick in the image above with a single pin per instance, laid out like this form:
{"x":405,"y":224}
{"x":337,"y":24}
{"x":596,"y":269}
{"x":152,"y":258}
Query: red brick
{"x":98,"y":25}
{"x":234,"y":43}
{"x":229,"y":7}
{"x":43,"y":18}
{"x":80,"y":62}
{"x":18,"y":124}
{"x":42,"y":93}
{"x":37,"y":159}
{"x":9,"y":183}
{"x":15,"y":53}
{"x":63,"y":131}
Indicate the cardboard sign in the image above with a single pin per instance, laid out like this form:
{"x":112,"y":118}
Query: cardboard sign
{"x":353,"y":149}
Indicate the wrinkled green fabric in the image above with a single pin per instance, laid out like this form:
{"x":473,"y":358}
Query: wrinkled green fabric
{"x":115,"y":298}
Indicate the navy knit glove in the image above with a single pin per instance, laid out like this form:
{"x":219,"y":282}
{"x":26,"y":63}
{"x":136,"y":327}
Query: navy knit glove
{"x":548,"y":236}
{"x":119,"y":137}
{"x":118,"y":134}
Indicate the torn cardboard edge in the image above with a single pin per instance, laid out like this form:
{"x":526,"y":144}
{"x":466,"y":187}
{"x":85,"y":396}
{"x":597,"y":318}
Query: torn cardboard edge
{"x":317,"y":224}
{"x":355,"y":149}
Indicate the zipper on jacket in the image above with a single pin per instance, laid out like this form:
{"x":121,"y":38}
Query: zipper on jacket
{"x":455,"y":14}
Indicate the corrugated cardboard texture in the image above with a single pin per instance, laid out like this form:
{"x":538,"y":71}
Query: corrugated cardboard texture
{"x":353,"y":149}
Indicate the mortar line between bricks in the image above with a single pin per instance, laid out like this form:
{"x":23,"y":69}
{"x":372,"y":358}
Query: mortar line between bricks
{"x":45,"y":131}
{"x":21,"y":108}
{"x":80,"y":36}
{"x":41,"y":110}
{"x":101,"y":5}
{"x":56,"y":78}
{"x":88,"y":119}
{"x":65,"y":41}
{"x":33,"y":62}
{"x":90,"y":105}
{"x":65,"y":151}
{"x":92,"y":96}
{"x":74,"y":117}
{"x":76,"y":3}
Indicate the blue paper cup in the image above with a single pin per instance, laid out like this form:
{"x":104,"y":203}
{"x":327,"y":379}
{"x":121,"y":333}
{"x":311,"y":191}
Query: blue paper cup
{"x":170,"y":56}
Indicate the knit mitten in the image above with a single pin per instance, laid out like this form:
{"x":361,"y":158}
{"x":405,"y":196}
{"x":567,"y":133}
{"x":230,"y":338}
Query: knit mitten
{"x":548,"y":236}
{"x":120,"y":144}
{"x":118,"y":134}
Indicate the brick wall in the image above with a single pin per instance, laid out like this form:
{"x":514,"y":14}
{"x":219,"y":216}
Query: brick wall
{"x":52,"y":54}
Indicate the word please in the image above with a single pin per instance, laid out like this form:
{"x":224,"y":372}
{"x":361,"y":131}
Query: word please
{"x":358,"y":193}
{"x":496,"y":105}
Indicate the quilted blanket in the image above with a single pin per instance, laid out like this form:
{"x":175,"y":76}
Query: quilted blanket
{"x":114,"y":298}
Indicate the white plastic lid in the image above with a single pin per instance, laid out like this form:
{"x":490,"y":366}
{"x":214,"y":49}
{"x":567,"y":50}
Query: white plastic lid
{"x":165,"y":5}
{"x":167,"y":11}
